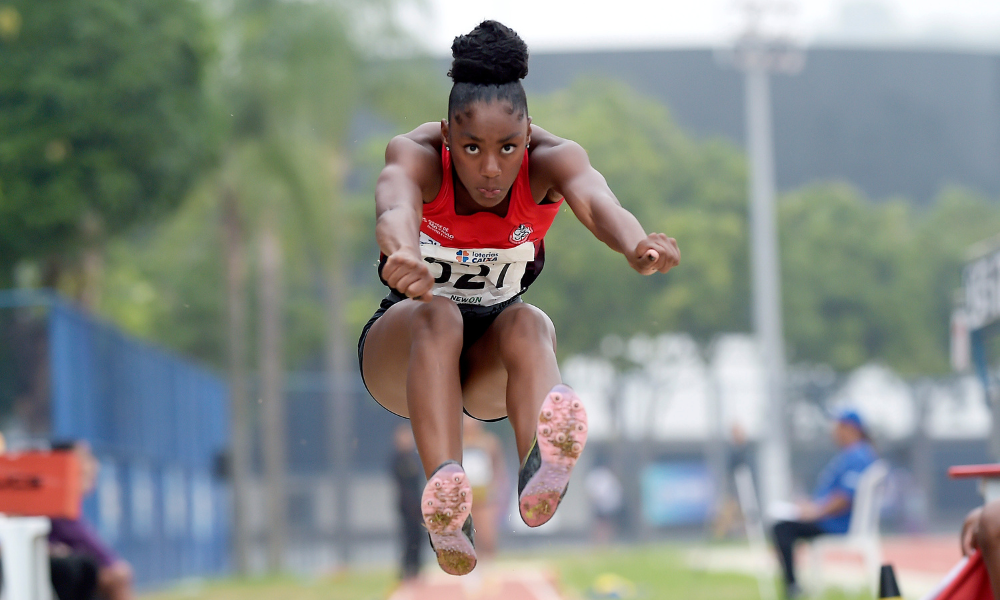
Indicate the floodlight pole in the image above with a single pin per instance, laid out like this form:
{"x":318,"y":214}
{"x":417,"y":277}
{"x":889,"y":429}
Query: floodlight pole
{"x":757,"y":56}
{"x":775,"y":461}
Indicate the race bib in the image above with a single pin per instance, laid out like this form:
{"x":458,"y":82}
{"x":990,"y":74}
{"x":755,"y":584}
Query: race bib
{"x":484,"y":276}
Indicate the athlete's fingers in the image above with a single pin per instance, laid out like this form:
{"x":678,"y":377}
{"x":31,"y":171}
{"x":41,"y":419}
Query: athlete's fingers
{"x":412,"y":284}
{"x":404,"y":281}
{"x":672,"y":256}
{"x":656,"y":253}
{"x":420,"y":289}
{"x":394,"y":268}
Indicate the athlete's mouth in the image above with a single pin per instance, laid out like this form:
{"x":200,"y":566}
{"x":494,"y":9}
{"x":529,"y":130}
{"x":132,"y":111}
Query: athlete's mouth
{"x":490,"y":192}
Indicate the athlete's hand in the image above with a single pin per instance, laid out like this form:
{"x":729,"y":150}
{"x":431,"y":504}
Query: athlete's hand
{"x":655,"y":253}
{"x":970,"y":530}
{"x":406,"y":272}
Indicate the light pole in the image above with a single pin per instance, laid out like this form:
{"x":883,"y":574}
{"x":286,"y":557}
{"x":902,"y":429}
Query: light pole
{"x":758,"y":55}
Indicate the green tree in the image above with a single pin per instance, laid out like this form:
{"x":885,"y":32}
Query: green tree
{"x":290,"y":80}
{"x":103,"y":120}
{"x":691,"y":190}
{"x":868,"y":281}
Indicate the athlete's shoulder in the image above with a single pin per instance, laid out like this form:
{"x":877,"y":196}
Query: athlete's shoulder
{"x":428,"y":134}
{"x":545,"y":141}
{"x":417,"y":155}
{"x":555,"y":159}
{"x":424,"y":142}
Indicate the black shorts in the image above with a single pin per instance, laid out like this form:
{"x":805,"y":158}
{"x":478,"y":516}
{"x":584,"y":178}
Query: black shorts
{"x":476,"y":320}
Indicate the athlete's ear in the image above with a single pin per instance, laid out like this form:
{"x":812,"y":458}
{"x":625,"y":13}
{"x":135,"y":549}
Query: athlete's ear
{"x":444,"y":132}
{"x":527,"y":140}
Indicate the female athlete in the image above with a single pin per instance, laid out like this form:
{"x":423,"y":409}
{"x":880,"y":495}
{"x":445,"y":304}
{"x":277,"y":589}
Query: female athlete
{"x":460,"y":221}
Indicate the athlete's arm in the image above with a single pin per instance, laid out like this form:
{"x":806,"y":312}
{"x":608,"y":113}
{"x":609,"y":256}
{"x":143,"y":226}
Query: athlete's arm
{"x":570,"y":174}
{"x":410,"y":175}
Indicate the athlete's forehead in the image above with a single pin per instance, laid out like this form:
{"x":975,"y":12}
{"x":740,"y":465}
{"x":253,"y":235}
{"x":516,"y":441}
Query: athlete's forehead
{"x":489,"y":122}
{"x":468,"y":134}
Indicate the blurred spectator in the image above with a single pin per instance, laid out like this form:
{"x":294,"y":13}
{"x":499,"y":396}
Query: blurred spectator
{"x":482,"y":459}
{"x":981,"y":531}
{"x":829,"y":511}
{"x":77,"y":537}
{"x":738,"y":453}
{"x":73,"y":576}
{"x":408,"y":473}
{"x":604,"y":491}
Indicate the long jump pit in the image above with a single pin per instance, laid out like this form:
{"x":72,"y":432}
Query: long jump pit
{"x":501,"y":581}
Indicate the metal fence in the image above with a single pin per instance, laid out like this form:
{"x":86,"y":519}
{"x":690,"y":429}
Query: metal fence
{"x":157,"y":423}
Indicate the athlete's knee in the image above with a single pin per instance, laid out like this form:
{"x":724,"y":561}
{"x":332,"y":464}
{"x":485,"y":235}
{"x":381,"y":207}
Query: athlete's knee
{"x":989,"y":528}
{"x":525,"y":328}
{"x":440,"y":318}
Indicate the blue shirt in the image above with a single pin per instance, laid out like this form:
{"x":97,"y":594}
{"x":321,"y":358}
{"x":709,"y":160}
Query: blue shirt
{"x":840,"y":476}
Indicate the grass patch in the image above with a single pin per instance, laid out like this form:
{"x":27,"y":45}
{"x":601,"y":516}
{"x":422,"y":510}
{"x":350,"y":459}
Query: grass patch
{"x":656,"y":572}
{"x":659,"y":571}
{"x":352,"y":585}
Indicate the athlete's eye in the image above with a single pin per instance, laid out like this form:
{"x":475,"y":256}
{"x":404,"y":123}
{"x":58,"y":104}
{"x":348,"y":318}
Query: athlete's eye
{"x":508,"y":148}
{"x":472,"y":149}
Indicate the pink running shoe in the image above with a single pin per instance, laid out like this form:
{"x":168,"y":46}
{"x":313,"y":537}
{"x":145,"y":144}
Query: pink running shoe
{"x":559,"y":439}
{"x":447,"y":508}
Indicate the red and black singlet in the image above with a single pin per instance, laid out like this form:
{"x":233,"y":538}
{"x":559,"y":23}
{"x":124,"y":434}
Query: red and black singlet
{"x":483,"y":258}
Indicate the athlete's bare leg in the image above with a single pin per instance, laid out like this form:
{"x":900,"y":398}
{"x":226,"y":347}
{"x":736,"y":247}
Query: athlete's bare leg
{"x":507,"y":372}
{"x":424,"y":342}
{"x":515,"y":361}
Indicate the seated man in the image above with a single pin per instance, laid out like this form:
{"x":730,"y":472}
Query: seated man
{"x":981,"y":531}
{"x":830,"y":509}
{"x":75,"y":536}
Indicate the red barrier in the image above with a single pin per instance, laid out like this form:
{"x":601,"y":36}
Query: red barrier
{"x":974,"y":471}
{"x":40,"y":484}
{"x":969,"y":581}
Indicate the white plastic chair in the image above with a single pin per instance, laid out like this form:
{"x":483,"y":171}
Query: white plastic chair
{"x":862,"y":535}
{"x":746,"y":494}
{"x":25,"y":558}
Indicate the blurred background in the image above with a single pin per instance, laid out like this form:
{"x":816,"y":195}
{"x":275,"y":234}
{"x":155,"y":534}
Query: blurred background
{"x":187,"y":257}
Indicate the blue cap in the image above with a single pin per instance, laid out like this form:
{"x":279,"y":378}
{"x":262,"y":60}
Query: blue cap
{"x":851,"y":417}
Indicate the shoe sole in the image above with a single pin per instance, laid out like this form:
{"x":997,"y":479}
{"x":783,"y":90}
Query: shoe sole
{"x":446,"y":503}
{"x":561,"y":433}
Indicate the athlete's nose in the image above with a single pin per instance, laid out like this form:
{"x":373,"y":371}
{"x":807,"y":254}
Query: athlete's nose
{"x":491,"y":167}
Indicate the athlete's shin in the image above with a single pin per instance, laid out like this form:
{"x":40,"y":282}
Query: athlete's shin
{"x":433,"y":386}
{"x":527,"y":348}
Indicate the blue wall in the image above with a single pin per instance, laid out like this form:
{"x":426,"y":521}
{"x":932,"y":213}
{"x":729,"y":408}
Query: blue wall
{"x":158,"y":424}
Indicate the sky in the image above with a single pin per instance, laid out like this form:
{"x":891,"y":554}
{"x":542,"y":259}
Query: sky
{"x":559,"y":25}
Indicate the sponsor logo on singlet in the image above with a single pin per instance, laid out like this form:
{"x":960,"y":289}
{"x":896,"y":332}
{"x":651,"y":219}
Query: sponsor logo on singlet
{"x":521,"y":233}
{"x":438,"y":228}
{"x":476,"y":256}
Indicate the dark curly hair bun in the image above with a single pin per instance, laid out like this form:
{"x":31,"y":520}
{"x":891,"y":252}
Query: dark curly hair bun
{"x":492,"y":53}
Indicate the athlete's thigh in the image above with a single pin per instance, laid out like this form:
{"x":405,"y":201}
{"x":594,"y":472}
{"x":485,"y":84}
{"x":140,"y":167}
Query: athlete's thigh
{"x":386,"y":355}
{"x":484,"y":376}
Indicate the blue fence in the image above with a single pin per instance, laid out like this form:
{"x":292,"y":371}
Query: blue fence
{"x":157,"y":423}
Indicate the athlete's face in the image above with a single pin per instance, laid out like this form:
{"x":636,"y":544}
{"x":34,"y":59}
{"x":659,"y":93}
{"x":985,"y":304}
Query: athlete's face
{"x":487,"y":142}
